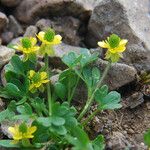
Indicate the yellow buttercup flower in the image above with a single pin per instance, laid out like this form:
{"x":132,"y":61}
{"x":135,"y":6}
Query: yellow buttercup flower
{"x":27,"y":46}
{"x":48,"y":39}
{"x":37,"y":79}
{"x":115,"y":47}
{"x":21,"y":132}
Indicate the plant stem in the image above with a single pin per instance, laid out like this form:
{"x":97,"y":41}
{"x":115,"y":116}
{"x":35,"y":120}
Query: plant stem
{"x":48,"y":85}
{"x":73,"y":91}
{"x":90,"y":117}
{"x":90,"y":99}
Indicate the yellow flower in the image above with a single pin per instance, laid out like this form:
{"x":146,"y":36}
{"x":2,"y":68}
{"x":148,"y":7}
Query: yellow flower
{"x":37,"y":79}
{"x":27,"y":46}
{"x":48,"y":39}
{"x":20,"y":132}
{"x":115,"y":47}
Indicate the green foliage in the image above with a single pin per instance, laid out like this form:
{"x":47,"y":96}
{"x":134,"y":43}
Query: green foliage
{"x":147,"y":138}
{"x":107,"y":100}
{"x":52,"y":113}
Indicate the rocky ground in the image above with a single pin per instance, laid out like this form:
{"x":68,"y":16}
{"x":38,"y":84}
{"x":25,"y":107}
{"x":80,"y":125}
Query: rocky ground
{"x":82,"y":23}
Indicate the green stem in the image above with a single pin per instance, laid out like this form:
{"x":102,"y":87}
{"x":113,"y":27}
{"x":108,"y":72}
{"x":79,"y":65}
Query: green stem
{"x":48,"y":85}
{"x":85,"y":122}
{"x":90,"y":99}
{"x":73,"y":91}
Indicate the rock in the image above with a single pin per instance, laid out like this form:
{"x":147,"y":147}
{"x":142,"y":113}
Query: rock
{"x":10,"y":3}
{"x":5,"y":55}
{"x":130,"y":131}
{"x":15,"y":41}
{"x":118,"y":75}
{"x":118,"y":141}
{"x":14,"y":26}
{"x":29,"y":11}
{"x":67,"y":27}
{"x":135,"y":100}
{"x":61,"y":50}
{"x":138,"y":56}
{"x":7,"y":37}
{"x":31,"y":31}
{"x":120,"y":17}
{"x":3,"y":21}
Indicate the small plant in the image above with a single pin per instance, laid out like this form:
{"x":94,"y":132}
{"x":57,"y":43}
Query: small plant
{"x":147,"y":139}
{"x":44,"y":110}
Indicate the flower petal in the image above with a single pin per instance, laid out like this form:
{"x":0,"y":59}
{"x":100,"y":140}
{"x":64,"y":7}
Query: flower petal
{"x":103,"y":44}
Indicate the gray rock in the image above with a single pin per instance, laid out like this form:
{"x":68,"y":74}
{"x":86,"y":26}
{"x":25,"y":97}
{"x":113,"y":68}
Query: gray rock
{"x":30,"y":11}
{"x":118,"y":75}
{"x":10,"y":3}
{"x":3,"y":21}
{"x":67,"y":27}
{"x":122,"y":18}
{"x":7,"y":37}
{"x":138,"y":56}
{"x":15,"y":41}
{"x":61,"y":50}
{"x":14,"y":26}
{"x":118,"y":141}
{"x":5,"y":55}
{"x":31,"y":31}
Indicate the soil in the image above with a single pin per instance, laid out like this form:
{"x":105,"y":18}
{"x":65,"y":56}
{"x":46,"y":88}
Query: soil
{"x":130,"y":123}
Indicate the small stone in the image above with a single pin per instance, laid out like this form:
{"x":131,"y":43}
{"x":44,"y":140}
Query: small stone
{"x":5,"y":55}
{"x":3,"y":21}
{"x":118,"y":75}
{"x":7,"y":37}
{"x":14,"y":26}
{"x":130,"y":131}
{"x":10,"y":3}
{"x":148,"y":105}
{"x":31,"y":31}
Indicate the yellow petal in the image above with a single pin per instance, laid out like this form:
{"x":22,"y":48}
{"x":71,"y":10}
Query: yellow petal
{"x":123,"y":42}
{"x":45,"y":81}
{"x":103,"y":44}
{"x":43,"y":75}
{"x":57,"y":40}
{"x":41,"y":35}
{"x":33,"y":41}
{"x":31,"y":73}
{"x":32,"y":129}
{"x":12,"y":130}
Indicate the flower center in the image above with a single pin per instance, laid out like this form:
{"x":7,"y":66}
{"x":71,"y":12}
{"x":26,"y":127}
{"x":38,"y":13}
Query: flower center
{"x":49,"y":35}
{"x":26,"y":43}
{"x":114,"y":40}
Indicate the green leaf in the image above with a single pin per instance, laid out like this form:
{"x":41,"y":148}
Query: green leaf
{"x":98,"y":143}
{"x":110,"y":101}
{"x":60,"y":90}
{"x":147,"y":138}
{"x":6,"y":114}
{"x":87,"y":57}
{"x":61,"y":130}
{"x":101,"y":93}
{"x":13,"y":90}
{"x":8,"y":144}
{"x":22,"y":101}
{"x":71,"y":59}
{"x":45,"y":121}
{"x":87,"y":75}
{"x":17,"y":64}
{"x":95,"y":75}
{"x":79,"y":139}
{"x":25,"y":109}
{"x":57,"y":121}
